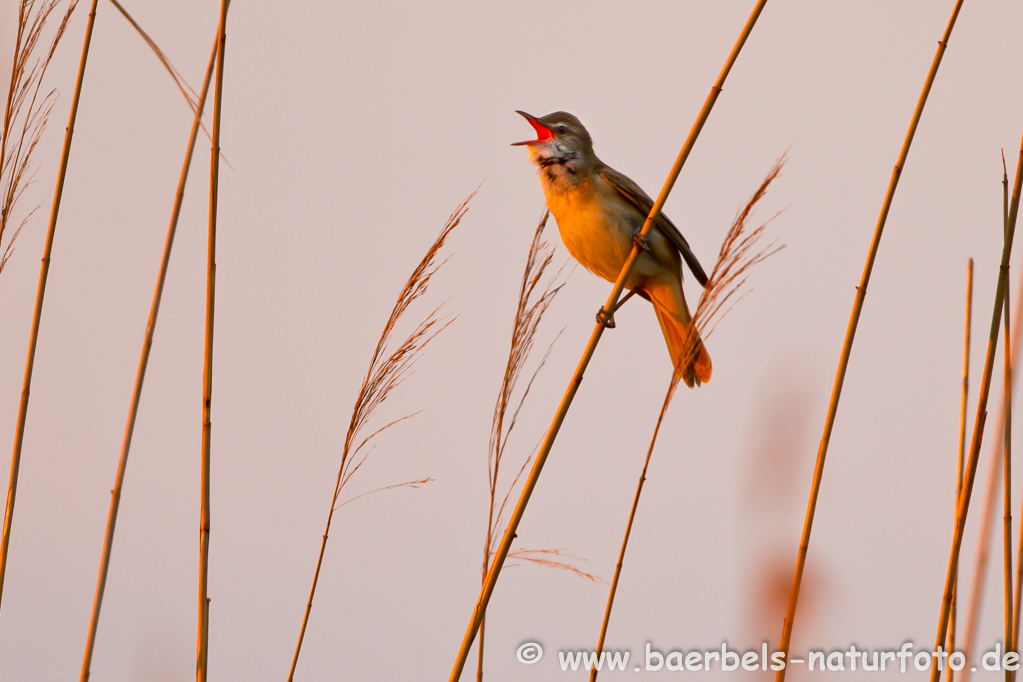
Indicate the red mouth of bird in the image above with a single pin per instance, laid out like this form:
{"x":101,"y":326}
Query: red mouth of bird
{"x":543,"y":133}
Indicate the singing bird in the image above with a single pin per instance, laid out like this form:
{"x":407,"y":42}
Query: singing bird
{"x":600,"y":213}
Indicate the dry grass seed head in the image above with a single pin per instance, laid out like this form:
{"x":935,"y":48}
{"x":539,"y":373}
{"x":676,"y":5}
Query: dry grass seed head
{"x":388,"y":369}
{"x":18,"y":142}
{"x":536,"y":292}
{"x":552,"y":558}
{"x":528,"y":314}
{"x":739,"y":252}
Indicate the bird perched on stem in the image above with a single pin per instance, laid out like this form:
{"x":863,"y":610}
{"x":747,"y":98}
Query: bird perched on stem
{"x":600,"y":213}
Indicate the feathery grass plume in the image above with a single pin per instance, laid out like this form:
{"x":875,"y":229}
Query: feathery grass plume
{"x":37,"y":312}
{"x":980,"y":419}
{"x":388,"y":367}
{"x":962,"y":445}
{"x":147,"y":344}
{"x":739,"y":252}
{"x":847,"y":344}
{"x":26,"y":112}
{"x":536,"y":293}
{"x":203,"y":627}
{"x":552,"y":558}
{"x":598,"y":330}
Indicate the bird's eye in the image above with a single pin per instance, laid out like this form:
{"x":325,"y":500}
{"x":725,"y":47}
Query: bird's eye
{"x":562,"y":129}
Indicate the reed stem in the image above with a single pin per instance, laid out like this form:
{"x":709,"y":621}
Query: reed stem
{"x":978,"y":424}
{"x":1012,"y":616}
{"x":1007,"y":441}
{"x":987,"y":518}
{"x":147,"y":344}
{"x":628,"y":529}
{"x":962,"y":444}
{"x":527,"y":489}
{"x":203,"y":634}
{"x":19,"y":431}
{"x":850,"y":335}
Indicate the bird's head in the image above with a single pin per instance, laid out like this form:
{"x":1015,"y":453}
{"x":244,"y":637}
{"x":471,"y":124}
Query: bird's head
{"x":561,"y":139}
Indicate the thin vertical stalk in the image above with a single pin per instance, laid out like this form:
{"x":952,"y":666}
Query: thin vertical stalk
{"x":1007,"y":439}
{"x":1007,"y":494}
{"x":202,"y":647}
{"x":532,"y":305}
{"x":19,"y":431}
{"x":987,"y":517}
{"x":1012,"y":617}
{"x":147,"y":344}
{"x":729,"y":274}
{"x":966,"y":375}
{"x":483,"y":632}
{"x":850,"y":334}
{"x":978,"y":424}
{"x":527,"y":489}
{"x":628,"y":530}
{"x":962,"y":444}
{"x":316,"y":580}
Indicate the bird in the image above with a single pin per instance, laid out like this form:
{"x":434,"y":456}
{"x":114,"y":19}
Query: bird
{"x":600,"y":213}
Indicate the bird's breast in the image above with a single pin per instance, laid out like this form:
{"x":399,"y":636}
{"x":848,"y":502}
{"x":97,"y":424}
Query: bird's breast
{"x":596,"y":229}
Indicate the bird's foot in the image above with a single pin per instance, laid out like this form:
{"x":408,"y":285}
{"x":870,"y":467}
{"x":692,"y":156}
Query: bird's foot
{"x":605,"y":319}
{"x":641,"y":242}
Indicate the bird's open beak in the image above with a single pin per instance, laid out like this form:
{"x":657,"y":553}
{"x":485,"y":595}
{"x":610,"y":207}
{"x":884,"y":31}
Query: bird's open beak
{"x":543,"y":133}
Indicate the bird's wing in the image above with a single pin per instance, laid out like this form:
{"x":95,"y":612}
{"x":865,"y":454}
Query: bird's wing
{"x":638,"y":198}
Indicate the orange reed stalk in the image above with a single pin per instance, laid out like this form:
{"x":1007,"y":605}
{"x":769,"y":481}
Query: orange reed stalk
{"x":962,"y":445}
{"x":203,"y":628}
{"x":978,"y":424}
{"x":44,"y":271}
{"x":736,"y":257}
{"x":566,"y":402}
{"x":147,"y":345}
{"x":850,"y":335}
{"x":1007,"y":443}
{"x":986,"y":523}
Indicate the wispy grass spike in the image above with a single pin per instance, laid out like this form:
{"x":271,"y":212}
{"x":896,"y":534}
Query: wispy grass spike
{"x":387,"y":369}
{"x":536,"y":292}
{"x":739,"y":252}
{"x":26,"y":112}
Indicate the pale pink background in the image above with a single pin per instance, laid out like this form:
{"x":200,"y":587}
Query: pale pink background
{"x":353,"y":129}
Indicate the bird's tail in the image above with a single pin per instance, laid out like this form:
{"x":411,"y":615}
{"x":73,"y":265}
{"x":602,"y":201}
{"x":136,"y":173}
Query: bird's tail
{"x":688,"y":353}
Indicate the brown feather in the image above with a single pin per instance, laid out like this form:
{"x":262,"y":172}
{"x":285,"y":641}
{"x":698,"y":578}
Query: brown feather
{"x":642,"y":201}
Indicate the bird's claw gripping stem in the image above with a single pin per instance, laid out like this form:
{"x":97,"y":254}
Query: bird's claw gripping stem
{"x":641,"y":242}
{"x":605,"y":319}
